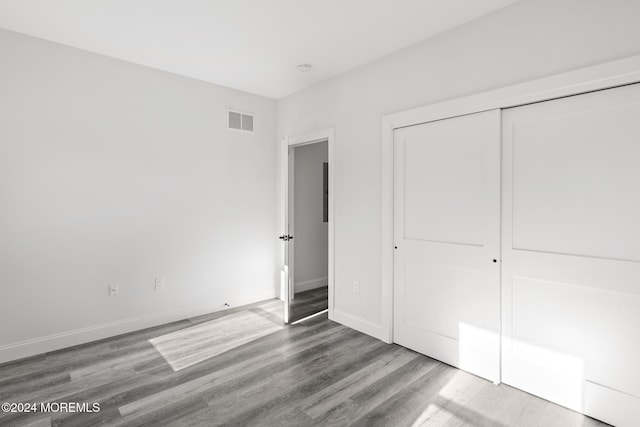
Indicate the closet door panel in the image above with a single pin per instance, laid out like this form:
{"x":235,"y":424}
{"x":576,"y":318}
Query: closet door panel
{"x":571,"y":252}
{"x":447,"y":225}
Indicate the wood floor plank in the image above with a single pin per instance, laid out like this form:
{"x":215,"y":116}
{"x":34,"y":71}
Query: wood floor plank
{"x":315,"y":373}
{"x":260,"y":364}
{"x":15,"y":387}
{"x":205,"y":340}
{"x":404,"y":407}
{"x":501,"y":405}
{"x":308,"y":302}
{"x":157,"y":379}
{"x":262,"y":387}
{"x":305,"y":379}
{"x":331,"y":396}
{"x":367,"y":399}
{"x":42,"y":422}
{"x":106,"y":417}
{"x":443,"y":409}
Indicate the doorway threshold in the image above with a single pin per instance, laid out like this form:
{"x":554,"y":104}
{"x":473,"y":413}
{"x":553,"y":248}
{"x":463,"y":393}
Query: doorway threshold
{"x":311,"y":316}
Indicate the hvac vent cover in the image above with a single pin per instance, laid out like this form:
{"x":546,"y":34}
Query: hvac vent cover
{"x":240,"y":121}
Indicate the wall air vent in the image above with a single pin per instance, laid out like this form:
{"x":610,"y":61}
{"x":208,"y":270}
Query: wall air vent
{"x":240,"y":121}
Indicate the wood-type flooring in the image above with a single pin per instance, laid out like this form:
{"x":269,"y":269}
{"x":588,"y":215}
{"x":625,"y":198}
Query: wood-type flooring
{"x":308,"y":302}
{"x":315,"y":373}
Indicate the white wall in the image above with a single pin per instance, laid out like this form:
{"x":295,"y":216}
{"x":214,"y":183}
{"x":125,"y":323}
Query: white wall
{"x":311,"y":235}
{"x":528,"y":40}
{"x":112,"y":172}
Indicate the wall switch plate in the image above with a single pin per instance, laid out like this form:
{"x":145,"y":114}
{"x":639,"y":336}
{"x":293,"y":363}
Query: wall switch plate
{"x":356,"y":287}
{"x":159,"y":283}
{"x":114,"y":290}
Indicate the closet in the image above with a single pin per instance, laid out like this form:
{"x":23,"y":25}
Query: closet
{"x":447,"y":241}
{"x":517,"y":247}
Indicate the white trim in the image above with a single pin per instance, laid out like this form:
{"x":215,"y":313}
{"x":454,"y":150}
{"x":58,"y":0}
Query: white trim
{"x":308,"y":285}
{"x":359,"y":324}
{"x":603,"y":76}
{"x":305,"y":139}
{"x":284,"y":227}
{"x":60,"y":340}
{"x":291,"y":225}
{"x":386,"y":267}
{"x":313,"y":137}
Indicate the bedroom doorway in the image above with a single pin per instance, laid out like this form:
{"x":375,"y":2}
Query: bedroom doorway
{"x":308,"y":229}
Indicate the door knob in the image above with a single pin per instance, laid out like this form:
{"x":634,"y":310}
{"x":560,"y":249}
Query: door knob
{"x":285,"y":237}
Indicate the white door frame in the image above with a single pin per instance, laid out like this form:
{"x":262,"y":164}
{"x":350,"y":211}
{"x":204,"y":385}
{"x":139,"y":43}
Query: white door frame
{"x":287,"y":143}
{"x":603,"y":76}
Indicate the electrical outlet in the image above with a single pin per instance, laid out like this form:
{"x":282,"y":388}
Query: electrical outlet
{"x":356,"y":287}
{"x":114,"y":290}
{"x":159,"y":283}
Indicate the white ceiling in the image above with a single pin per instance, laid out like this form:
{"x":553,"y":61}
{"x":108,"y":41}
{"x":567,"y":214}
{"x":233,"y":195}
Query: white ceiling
{"x":251,"y":45}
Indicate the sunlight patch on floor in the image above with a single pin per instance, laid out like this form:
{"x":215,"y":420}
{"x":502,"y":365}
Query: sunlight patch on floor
{"x":427,"y":415}
{"x":186,"y":347}
{"x":460,"y":388}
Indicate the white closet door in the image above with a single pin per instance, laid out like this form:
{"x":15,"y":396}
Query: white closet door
{"x":447,"y":234}
{"x":571,"y":250}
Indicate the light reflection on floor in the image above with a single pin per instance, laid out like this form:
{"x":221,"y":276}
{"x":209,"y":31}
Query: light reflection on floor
{"x":186,"y":347}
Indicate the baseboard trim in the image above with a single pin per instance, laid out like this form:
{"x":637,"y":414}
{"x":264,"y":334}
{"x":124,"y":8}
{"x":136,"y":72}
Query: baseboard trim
{"x":307,"y":285}
{"x":48,"y":343}
{"x":358,"y":323}
{"x":612,"y":406}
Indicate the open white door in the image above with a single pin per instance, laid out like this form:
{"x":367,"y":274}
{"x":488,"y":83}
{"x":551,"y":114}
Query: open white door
{"x":286,"y":224}
{"x":447,"y":240}
{"x":285,"y":273}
